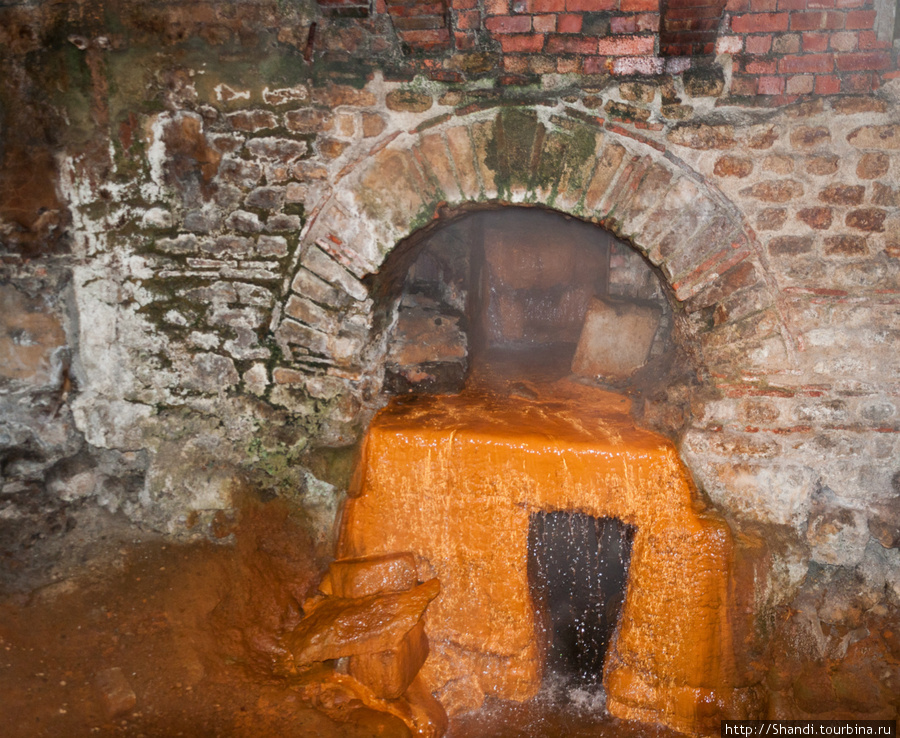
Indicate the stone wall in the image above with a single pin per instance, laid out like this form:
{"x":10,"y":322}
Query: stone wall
{"x":199,"y":198}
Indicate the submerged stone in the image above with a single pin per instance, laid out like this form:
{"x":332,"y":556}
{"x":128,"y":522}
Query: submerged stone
{"x":340,"y":626}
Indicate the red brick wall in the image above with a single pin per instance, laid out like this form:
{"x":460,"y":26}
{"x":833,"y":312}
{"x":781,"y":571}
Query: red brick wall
{"x":797,"y":47}
{"x":781,"y":48}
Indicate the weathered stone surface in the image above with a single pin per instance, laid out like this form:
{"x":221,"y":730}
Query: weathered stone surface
{"x":283,"y":150}
{"x":775,"y":190}
{"x":185,"y":243}
{"x":308,"y":120}
{"x":733,"y":166}
{"x":240,"y":172}
{"x":807,"y":137}
{"x":822,"y":166}
{"x":813,"y":690}
{"x":762,"y":138}
{"x":408,"y":101}
{"x":392,"y":191}
{"x":30,"y":337}
{"x":884,"y":195}
{"x":771,"y":219}
{"x":318,"y":262}
{"x":837,"y":535}
{"x":116,"y":694}
{"x":704,"y":81}
{"x":703,"y":136}
{"x":389,"y":673}
{"x":210,"y":373}
{"x":872,"y":165}
{"x":272,"y":246}
{"x":866,"y":219}
{"x":331,"y":148}
{"x":338,"y":626}
{"x":433,"y":149}
{"x":853,"y":105}
{"x":244,"y":221}
{"x":372,"y":575}
{"x":265,"y":198}
{"x":425,"y":336}
{"x":202,"y":221}
{"x":283,"y":223}
{"x":818,"y":218}
{"x":637,"y":91}
{"x":372,"y":124}
{"x":779,"y":164}
{"x":616,"y":339}
{"x":225,"y":246}
{"x":608,"y":164}
{"x":843,"y":194}
{"x":252,"y":121}
{"x":333,"y":95}
{"x":313,"y":315}
{"x":790,"y":245}
{"x":623,"y":111}
{"x":846,"y":245}
{"x":462,"y":151}
{"x":876,"y":137}
{"x":309,"y":285}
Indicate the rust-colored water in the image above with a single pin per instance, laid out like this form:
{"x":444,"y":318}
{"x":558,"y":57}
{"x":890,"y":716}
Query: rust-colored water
{"x":455,"y":479}
{"x":191,"y":629}
{"x":196,"y":632}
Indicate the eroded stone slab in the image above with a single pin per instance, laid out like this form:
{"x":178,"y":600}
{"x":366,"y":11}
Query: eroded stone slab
{"x":616,"y":338}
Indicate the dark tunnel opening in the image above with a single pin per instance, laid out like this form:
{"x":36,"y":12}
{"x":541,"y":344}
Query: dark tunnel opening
{"x":578,"y":573}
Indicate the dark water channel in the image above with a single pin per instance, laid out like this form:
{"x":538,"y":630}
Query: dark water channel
{"x":578,"y":571}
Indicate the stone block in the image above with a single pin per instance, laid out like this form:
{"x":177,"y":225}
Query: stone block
{"x":836,"y":534}
{"x":266,"y":198}
{"x":408,"y":101}
{"x":277,"y":149}
{"x":338,"y":626}
{"x":210,"y":373}
{"x":426,"y":336}
{"x":704,"y":81}
{"x":702,"y":136}
{"x":30,"y":336}
{"x":733,"y":166}
{"x":390,"y":672}
{"x":115,"y":692}
{"x":318,"y":262}
{"x":781,"y":190}
{"x":616,"y":338}
{"x":244,"y":222}
{"x":461,"y":150}
{"x":373,"y":575}
{"x":822,"y":166}
{"x":876,"y":137}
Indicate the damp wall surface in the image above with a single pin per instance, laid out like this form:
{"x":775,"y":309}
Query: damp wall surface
{"x":196,"y":196}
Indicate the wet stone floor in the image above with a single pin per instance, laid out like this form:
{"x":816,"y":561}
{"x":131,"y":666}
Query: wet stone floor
{"x":154,"y":639}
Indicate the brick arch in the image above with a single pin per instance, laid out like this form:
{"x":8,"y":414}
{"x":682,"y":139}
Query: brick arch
{"x":531,"y":156}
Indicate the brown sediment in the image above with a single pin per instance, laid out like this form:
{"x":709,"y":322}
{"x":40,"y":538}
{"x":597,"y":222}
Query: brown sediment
{"x":163,"y":639}
{"x":454,"y":479}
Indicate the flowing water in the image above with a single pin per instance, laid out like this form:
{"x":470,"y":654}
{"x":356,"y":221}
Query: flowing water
{"x":581,"y":574}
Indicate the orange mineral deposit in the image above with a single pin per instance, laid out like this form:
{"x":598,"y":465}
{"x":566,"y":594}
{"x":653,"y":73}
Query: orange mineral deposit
{"x":454,"y":479}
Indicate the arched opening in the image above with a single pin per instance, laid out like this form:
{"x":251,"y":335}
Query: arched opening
{"x":450,"y":481}
{"x":498,"y":430}
{"x":521,"y":287}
